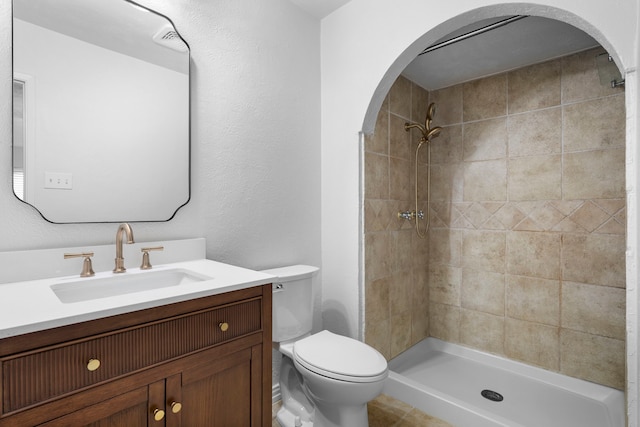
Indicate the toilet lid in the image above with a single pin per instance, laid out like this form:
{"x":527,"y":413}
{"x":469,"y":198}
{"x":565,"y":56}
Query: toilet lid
{"x":340,"y":357}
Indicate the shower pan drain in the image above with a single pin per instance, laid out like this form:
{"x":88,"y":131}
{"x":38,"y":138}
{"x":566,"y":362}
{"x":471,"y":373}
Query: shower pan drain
{"x":492,"y":395}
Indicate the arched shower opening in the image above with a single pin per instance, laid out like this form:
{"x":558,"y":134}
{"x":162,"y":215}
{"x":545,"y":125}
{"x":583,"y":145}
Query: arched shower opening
{"x":470,"y":242}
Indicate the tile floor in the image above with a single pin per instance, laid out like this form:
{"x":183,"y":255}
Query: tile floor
{"x":385,"y":411}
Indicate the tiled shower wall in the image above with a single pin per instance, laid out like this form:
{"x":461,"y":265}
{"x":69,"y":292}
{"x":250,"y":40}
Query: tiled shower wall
{"x":526,"y":254}
{"x":396,"y":269}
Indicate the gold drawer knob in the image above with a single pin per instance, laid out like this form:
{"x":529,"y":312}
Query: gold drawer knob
{"x":176,"y":407}
{"x":93,"y":364}
{"x":224,"y":326}
{"x":158,"y":414}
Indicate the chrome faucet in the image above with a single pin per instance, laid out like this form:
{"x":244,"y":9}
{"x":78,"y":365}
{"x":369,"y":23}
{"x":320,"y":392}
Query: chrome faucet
{"x":126,"y":229}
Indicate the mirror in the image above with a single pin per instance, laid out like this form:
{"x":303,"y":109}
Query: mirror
{"x":101,"y":111}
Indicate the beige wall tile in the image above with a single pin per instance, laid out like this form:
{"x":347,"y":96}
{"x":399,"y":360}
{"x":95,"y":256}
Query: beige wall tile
{"x":378,"y":214}
{"x":448,"y":105}
{"x":485,"y":140}
{"x":400,"y":333}
{"x":535,"y":178}
{"x":534,"y":87}
{"x":400,"y":98}
{"x":509,"y":215}
{"x":445,"y":284}
{"x":420,"y":289}
{"x":483,"y":291}
{"x":605,"y":264}
{"x":444,"y":322}
{"x":447,"y":147}
{"x":400,"y":293}
{"x":534,"y":254}
{"x":377,"y":299}
{"x":423,"y":187}
{"x":419,"y":325}
{"x":447,"y":182}
{"x":533,"y":299}
{"x":445,"y":246}
{"x":482,"y":331}
{"x":378,"y":261}
{"x":484,"y":98}
{"x":400,"y":179}
{"x":419,"y":255}
{"x":483,"y":250}
{"x":598,"y":310}
{"x":399,"y":139}
{"x":590,"y":216}
{"x":402,"y":256}
{"x":419,"y":103}
{"x":580,"y":79}
{"x":376,"y":168}
{"x":532,"y":343}
{"x":595,"y":124}
{"x":418,"y":286}
{"x":376,"y":334}
{"x":593,"y":358}
{"x":485,"y":181}
{"x":535,"y":133}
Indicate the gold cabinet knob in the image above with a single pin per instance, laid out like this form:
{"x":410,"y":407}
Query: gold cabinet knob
{"x":224,"y":326}
{"x":176,"y":407}
{"x":158,"y":414}
{"x":93,"y":364}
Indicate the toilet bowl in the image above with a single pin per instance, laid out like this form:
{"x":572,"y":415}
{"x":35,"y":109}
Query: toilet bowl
{"x":326,"y":379}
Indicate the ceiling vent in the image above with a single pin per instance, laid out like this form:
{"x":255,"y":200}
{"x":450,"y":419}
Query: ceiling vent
{"x":169,"y":37}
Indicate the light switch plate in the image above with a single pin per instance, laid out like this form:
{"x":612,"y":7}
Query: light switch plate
{"x":57,"y":180}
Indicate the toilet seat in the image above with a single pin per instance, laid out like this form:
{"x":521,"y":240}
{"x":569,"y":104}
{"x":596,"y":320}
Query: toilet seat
{"x":339,"y":357}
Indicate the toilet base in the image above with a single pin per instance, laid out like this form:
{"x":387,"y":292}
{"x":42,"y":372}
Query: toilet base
{"x":330,"y":416}
{"x":351,"y":416}
{"x":287,"y":419}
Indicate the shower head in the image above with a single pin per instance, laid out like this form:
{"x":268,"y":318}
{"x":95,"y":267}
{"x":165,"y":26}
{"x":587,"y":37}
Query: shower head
{"x":433,"y":133}
{"x":431,"y":111}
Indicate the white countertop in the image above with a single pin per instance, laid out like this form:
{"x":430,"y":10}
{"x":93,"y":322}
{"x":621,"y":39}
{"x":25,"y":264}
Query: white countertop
{"x":31,"y":305}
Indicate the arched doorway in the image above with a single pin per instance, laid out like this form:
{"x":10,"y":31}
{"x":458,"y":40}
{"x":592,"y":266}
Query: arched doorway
{"x":380,"y":96}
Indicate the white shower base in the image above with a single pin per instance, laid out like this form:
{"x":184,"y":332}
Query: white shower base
{"x":446,"y":380}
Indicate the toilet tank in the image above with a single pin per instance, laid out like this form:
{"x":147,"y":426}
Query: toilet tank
{"x":292,"y":301}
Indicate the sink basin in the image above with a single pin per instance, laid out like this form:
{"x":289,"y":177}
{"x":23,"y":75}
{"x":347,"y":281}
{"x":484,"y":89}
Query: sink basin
{"x":122,"y":284}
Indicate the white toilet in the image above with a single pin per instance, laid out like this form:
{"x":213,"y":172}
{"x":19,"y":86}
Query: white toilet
{"x":326,"y":379}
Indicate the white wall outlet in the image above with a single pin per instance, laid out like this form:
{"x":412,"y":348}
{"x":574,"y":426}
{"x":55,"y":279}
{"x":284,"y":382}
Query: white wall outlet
{"x":61,"y":181}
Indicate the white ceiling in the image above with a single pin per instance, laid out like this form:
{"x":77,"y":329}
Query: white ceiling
{"x":524,"y":42}
{"x":320,"y":8}
{"x":117,"y":25}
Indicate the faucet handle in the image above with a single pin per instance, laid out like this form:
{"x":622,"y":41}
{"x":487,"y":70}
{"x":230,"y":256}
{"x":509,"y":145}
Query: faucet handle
{"x":87,"y":268}
{"x":146,"y":264}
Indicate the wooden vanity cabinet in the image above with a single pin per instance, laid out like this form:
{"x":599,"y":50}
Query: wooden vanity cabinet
{"x":204,"y":362}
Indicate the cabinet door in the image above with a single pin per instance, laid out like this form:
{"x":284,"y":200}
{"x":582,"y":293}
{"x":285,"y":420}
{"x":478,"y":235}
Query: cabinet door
{"x":223,"y":393}
{"x":126,"y":410}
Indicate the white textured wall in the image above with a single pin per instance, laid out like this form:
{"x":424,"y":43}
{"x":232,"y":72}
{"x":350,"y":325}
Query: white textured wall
{"x":365,"y":46}
{"x":255,"y":114}
{"x":255,"y":124}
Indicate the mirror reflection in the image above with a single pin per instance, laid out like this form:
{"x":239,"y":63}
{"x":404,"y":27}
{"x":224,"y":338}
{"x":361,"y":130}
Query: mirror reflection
{"x":101,"y":111}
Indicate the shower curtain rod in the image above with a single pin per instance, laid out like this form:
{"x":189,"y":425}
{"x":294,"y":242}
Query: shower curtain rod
{"x":473,"y":33}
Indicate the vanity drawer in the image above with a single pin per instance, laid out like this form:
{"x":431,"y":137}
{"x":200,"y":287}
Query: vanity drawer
{"x":33,"y":377}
